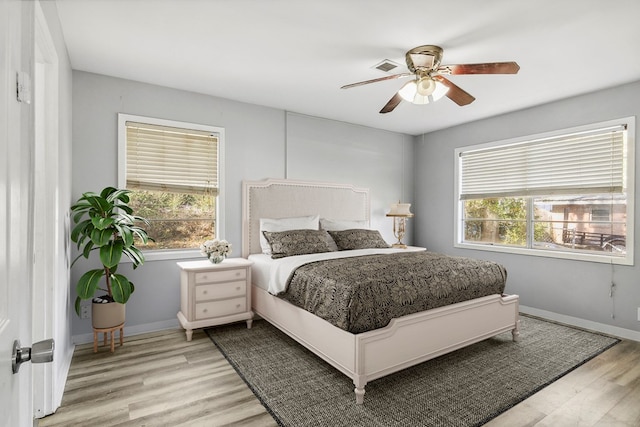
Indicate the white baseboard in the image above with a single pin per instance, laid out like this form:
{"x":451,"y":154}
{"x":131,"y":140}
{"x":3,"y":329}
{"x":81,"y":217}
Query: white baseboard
{"x":582,"y":323}
{"x":569,"y":320}
{"x":132,"y":330}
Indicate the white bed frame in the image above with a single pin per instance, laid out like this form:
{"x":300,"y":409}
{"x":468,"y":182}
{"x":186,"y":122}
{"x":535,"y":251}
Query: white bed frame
{"x":363,"y":357}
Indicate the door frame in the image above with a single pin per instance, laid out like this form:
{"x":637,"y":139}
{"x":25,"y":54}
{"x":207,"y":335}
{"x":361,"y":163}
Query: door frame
{"x":50,"y":266}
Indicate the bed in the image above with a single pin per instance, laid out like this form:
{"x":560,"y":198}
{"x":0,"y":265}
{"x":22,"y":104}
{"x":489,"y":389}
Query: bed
{"x":362,"y":356}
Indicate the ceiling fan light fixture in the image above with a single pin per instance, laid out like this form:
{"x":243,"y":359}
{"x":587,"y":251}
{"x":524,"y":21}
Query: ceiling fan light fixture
{"x":425,"y":86}
{"x":410,"y":92}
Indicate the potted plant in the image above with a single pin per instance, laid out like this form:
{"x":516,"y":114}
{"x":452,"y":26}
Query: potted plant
{"x":105,"y":223}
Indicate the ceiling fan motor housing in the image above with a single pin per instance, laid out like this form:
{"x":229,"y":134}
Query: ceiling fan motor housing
{"x":423,"y":59}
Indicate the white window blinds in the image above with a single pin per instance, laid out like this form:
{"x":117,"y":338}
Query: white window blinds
{"x":171,"y":159}
{"x":586,"y":162}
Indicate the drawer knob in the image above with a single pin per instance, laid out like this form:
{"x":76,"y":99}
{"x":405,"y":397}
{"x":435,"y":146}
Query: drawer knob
{"x":204,"y":310}
{"x":237,"y":288}
{"x":237,"y":305}
{"x":204,"y":292}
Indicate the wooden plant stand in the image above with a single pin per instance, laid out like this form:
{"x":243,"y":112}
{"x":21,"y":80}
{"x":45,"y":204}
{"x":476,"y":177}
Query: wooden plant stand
{"x":111,"y":331}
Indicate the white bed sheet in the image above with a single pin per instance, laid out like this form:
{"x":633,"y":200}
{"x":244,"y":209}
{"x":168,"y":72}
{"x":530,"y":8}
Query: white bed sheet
{"x":272,"y":274}
{"x":260,"y":270}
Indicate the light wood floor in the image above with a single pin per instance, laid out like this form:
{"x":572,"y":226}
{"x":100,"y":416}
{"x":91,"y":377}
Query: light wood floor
{"x":160,"y":379}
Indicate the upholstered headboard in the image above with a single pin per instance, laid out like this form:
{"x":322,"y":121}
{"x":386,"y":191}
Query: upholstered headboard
{"x":283,"y":198}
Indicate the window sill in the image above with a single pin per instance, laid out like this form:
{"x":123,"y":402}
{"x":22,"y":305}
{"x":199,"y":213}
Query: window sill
{"x":574,"y":256}
{"x":168,"y":254}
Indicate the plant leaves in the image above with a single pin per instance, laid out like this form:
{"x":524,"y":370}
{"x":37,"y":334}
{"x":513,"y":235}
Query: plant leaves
{"x":126,"y":208}
{"x":121,"y":288}
{"x":102,"y":223}
{"x":78,"y":230}
{"x":111,"y":253}
{"x":107,"y":192}
{"x":87,"y":249}
{"x":125,"y":234}
{"x":142,"y":234}
{"x":135,"y":255}
{"x":77,"y":305}
{"x":101,"y":237}
{"x":88,"y":283}
{"x":98,"y":203}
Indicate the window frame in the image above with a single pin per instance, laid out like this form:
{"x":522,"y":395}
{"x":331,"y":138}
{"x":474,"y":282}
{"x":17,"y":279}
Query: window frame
{"x":629,"y":177}
{"x":170,"y":254}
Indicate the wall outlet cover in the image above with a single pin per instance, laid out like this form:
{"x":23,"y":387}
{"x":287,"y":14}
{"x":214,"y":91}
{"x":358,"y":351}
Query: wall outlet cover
{"x":85,"y":311}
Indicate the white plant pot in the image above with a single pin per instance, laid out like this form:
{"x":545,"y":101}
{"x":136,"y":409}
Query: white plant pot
{"x":107,"y":315}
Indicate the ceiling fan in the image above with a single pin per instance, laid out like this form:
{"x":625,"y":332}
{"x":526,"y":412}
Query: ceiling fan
{"x":429,"y":83}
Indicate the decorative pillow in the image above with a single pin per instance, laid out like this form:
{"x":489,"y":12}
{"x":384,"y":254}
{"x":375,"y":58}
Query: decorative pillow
{"x":311,"y":222}
{"x":338,"y":225}
{"x":358,"y":239}
{"x":297,"y":242}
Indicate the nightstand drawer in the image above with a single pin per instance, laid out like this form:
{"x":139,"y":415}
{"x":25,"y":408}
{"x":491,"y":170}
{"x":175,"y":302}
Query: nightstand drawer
{"x":221,"y":276}
{"x":221,"y":290}
{"x":205,"y":310}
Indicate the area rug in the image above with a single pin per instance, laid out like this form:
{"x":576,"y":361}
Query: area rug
{"x":465,"y":388}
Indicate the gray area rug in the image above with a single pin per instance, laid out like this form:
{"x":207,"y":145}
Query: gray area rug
{"x":465,"y":388}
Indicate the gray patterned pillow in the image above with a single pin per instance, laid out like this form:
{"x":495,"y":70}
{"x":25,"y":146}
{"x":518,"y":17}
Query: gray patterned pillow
{"x":358,"y":239}
{"x":297,"y":242}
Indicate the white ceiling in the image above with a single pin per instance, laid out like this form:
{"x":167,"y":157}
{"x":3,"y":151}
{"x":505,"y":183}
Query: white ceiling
{"x":295,"y":54}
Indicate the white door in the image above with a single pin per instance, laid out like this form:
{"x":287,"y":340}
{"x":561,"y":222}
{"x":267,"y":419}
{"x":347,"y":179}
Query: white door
{"x":15,"y":209}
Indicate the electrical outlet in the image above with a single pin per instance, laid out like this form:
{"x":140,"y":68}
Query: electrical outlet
{"x":84,"y":312}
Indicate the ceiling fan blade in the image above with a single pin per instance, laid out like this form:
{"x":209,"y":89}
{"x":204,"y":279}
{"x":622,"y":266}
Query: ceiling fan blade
{"x":455,"y":93}
{"x":393,"y":103}
{"x":381,"y":79}
{"x":486,"y":68}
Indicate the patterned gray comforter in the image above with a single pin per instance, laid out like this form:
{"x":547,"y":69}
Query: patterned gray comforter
{"x":363,"y":293}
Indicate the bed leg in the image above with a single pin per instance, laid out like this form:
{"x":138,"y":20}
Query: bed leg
{"x":359,"y":395}
{"x":515,"y":332}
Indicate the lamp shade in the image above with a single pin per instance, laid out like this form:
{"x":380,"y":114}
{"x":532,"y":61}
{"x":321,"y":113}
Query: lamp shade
{"x":400,"y":209}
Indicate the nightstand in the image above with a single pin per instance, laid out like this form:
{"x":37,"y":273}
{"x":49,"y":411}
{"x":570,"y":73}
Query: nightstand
{"x":214,"y":294}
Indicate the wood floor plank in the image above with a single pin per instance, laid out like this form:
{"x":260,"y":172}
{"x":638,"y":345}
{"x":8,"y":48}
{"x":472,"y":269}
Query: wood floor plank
{"x":165,"y":398}
{"x":588,"y":406}
{"x":160,"y":379}
{"x":234,"y":416}
{"x":522,"y":415}
{"x":205,"y":406}
{"x":626,"y":413}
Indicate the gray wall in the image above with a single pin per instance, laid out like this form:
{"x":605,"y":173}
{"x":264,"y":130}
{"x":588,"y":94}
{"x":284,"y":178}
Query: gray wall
{"x":571,"y":288}
{"x":260,"y":143}
{"x":325,"y":150}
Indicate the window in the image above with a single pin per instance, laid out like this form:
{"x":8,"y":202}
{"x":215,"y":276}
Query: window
{"x":601,"y":214}
{"x":173,"y":171}
{"x":566,"y":194}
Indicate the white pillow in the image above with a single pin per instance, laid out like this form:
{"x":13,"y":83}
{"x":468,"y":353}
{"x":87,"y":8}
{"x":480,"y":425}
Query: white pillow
{"x":311,"y":222}
{"x":341,"y":225}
